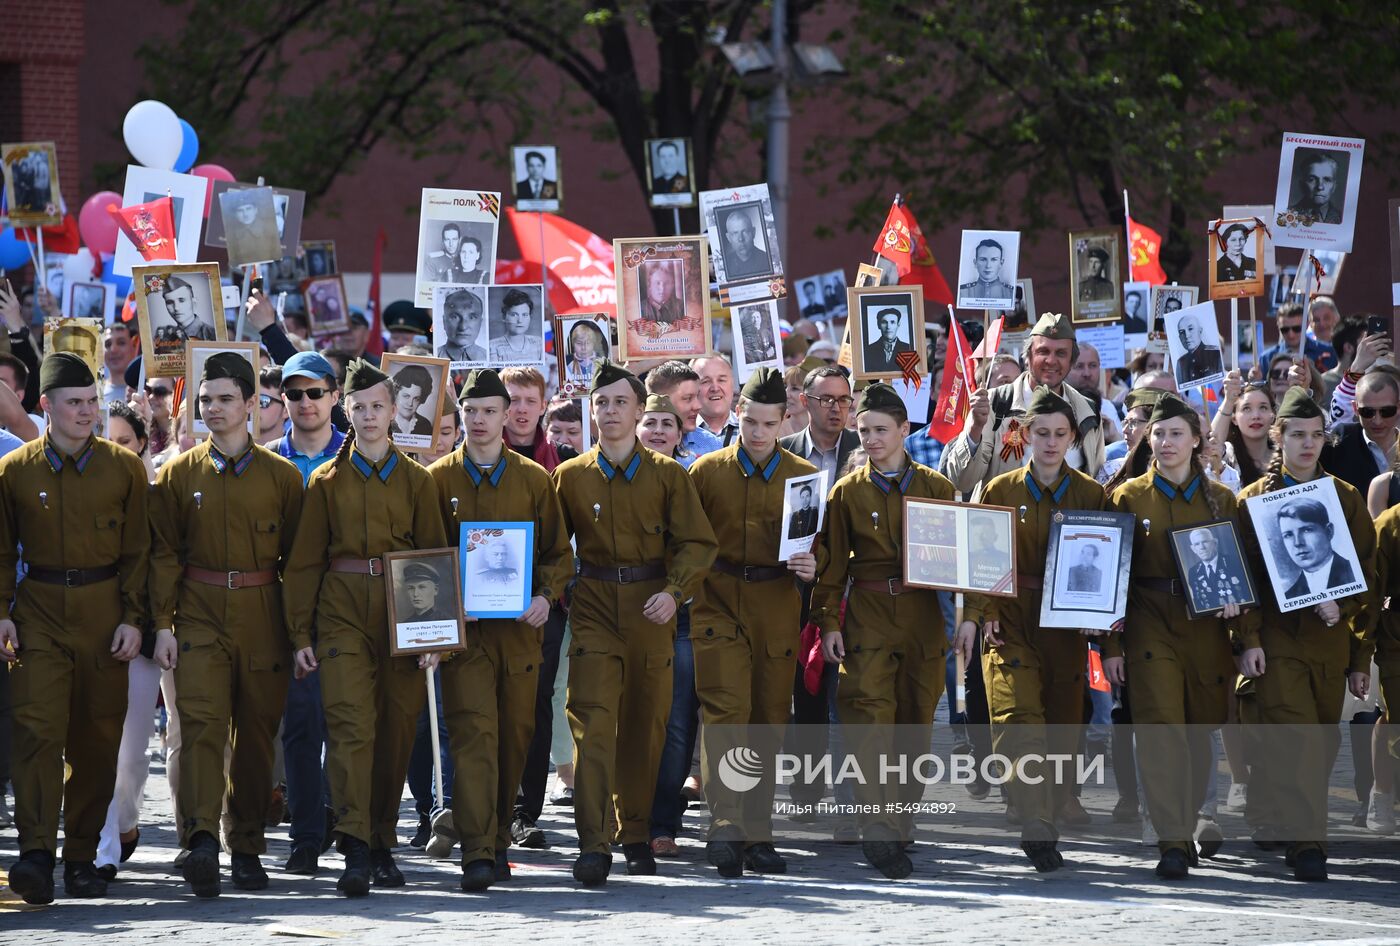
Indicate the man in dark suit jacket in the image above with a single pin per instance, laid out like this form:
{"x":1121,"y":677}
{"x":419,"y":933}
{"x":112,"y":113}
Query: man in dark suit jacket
{"x":880,"y":354}
{"x":1306,"y":532}
{"x":1360,"y":450}
{"x":1086,"y":576}
{"x":535,"y":186}
{"x":804,"y":517}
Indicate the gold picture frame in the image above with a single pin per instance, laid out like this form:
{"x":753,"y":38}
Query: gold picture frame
{"x":163,"y":334}
{"x":868,"y":308}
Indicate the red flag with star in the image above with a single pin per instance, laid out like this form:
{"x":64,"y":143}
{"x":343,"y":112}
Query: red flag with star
{"x":923,"y":268}
{"x":1145,"y":251}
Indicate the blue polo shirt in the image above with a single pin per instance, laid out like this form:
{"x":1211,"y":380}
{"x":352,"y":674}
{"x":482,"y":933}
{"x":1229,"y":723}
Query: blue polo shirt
{"x":308,"y":465}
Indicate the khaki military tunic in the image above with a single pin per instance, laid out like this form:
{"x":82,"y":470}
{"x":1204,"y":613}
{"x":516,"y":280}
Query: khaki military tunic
{"x":488,"y":693}
{"x":895,"y":643}
{"x":1179,"y":671}
{"x":1035,"y":677}
{"x":68,"y":693}
{"x":641,"y":512}
{"x":1299,"y":697}
{"x":744,"y":633}
{"x":355,"y":509}
{"x":233,"y":515}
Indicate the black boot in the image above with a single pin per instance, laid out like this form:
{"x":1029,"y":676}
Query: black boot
{"x":727,"y":857}
{"x":502,"y":866}
{"x":201,"y":868}
{"x":247,"y":872}
{"x":1310,"y":864}
{"x":888,"y":858}
{"x":32,"y":877}
{"x":478,"y":875}
{"x":592,"y":870}
{"x":424,"y":832}
{"x":305,"y":859}
{"x":640,"y":860}
{"x":1174,"y":864}
{"x":81,"y":880}
{"x":763,"y":858}
{"x":354,"y":880}
{"x":383,"y":869}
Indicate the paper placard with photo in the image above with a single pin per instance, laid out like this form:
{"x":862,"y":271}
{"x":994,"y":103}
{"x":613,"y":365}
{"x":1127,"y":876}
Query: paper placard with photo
{"x":1096,"y":267}
{"x":1087,"y":569}
{"x":497,"y":566}
{"x":671,"y":172}
{"x":538,"y":177}
{"x":822,"y":298}
{"x":1308,"y":552}
{"x":1212,"y":569}
{"x":90,"y":300}
{"x":1169,"y":299}
{"x":196,"y":354}
{"x":187,"y":193}
{"x":1235,"y":248}
{"x":959,"y":547}
{"x":663,"y":307}
{"x":1137,"y":308}
{"x":250,"y":226}
{"x":327,"y":310}
{"x":420,"y":384}
{"x":887,"y":331}
{"x":1319,"y":181}
{"x":744,"y":262}
{"x":425,"y":602}
{"x":1109,"y":341}
{"x":287,"y":207}
{"x":804,"y":512}
{"x":177,"y":303}
{"x":1193,"y":340}
{"x":757,"y":340}
{"x":1268,"y":259}
{"x":987,"y":269}
{"x":459,"y":324}
{"x":1317,"y":280}
{"x":80,"y":336}
{"x":515,"y":325}
{"x":581,"y":343}
{"x":32,"y":195}
{"x":456,"y":240}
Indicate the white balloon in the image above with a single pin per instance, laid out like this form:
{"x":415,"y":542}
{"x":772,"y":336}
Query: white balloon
{"x":153,"y":135}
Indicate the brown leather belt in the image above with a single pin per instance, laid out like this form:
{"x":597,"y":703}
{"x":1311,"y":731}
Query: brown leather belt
{"x":359,"y":566}
{"x":231,"y":580}
{"x":622,"y":574}
{"x":70,"y":577}
{"x":1030,"y":582}
{"x":1165,"y":585}
{"x":752,"y":572}
{"x":888,"y":586}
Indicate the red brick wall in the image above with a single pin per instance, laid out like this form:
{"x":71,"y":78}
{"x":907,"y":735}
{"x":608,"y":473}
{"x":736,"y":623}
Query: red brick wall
{"x":46,"y":41}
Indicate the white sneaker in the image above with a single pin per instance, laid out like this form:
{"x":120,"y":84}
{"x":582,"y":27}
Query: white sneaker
{"x":1149,"y":833}
{"x":1237,"y":797}
{"x":1380,"y":814}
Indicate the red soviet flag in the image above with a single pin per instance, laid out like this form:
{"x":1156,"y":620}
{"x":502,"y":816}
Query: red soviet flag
{"x":923,"y":269}
{"x":150,"y":227}
{"x":1145,"y":251}
{"x":896,"y":242}
{"x":955,"y":392}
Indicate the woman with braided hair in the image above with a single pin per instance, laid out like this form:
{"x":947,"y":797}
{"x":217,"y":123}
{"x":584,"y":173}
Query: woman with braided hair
{"x":1180,"y":669}
{"x":370,"y":500}
{"x":1301,"y":662}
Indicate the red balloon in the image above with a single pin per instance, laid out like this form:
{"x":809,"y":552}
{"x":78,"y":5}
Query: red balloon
{"x":211,"y":173}
{"x":98,"y":227}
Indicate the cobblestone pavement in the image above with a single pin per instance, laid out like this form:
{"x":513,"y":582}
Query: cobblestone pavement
{"x":971,"y":885}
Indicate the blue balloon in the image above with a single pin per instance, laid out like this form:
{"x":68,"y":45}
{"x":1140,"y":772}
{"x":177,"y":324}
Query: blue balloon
{"x":189,"y":150}
{"x":122,"y":283}
{"x":13,"y":252}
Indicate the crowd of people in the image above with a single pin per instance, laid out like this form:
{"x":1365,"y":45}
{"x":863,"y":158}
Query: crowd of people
{"x":239,"y":581}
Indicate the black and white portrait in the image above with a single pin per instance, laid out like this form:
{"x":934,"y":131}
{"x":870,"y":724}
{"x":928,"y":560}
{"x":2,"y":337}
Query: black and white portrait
{"x":1212,"y":569}
{"x":669,"y":170}
{"x":177,"y":304}
{"x":1307,"y":547}
{"x":1136,"y":299}
{"x":1086,"y":569}
{"x":822,"y":298}
{"x":516,"y":325}
{"x":419,"y":386}
{"x":744,"y":256}
{"x":1319,"y":177}
{"x":458,"y":257}
{"x":988,"y":548}
{"x":538,"y":185}
{"x":987,"y":269}
{"x":89,"y":300}
{"x":31,"y":181}
{"x":804,"y":508}
{"x":319,"y":258}
{"x":587,"y":343}
{"x":1319,"y":183}
{"x":1193,"y":342}
{"x":425,"y":601}
{"x":456,"y":240}
{"x":496,"y":566}
{"x":459,"y":325}
{"x":886,"y":324}
{"x":1236,"y":247}
{"x":1095,"y":274}
{"x":283,"y":215}
{"x":756,"y":338}
{"x":250,"y":226}
{"x":1167,"y":300}
{"x":326,"y":307}
{"x":743,"y":241}
{"x":1020,"y":317}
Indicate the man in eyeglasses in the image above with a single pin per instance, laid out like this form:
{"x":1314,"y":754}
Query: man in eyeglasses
{"x":1361,"y":449}
{"x":1293,"y":341}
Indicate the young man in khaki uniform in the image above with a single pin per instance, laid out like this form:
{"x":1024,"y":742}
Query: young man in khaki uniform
{"x":644,"y":545}
{"x":222,"y":517}
{"x":76,"y":504}
{"x":745,"y":625}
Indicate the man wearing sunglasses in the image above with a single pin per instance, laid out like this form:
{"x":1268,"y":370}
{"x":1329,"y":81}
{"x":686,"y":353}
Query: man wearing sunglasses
{"x":1361,"y":449}
{"x":1292,"y":340}
{"x":272,"y":412}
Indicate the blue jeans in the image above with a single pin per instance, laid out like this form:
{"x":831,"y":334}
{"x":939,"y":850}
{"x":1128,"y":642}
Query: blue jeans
{"x":303,"y":747}
{"x":682,"y":725}
{"x":420,"y":762}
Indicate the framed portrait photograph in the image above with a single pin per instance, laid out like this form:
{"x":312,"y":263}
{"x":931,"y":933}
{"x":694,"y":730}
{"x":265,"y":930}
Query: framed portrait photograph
{"x":327,"y":311}
{"x":249,"y":223}
{"x":456,"y":240}
{"x":187,"y":193}
{"x":955,"y":546}
{"x":822,"y":297}
{"x":1087,"y":569}
{"x":804,"y":512}
{"x":1307,"y":546}
{"x":80,"y":336}
{"x":663,"y":306}
{"x":1169,"y":299}
{"x":1319,"y":182}
{"x":196,"y":354}
{"x":287,"y":206}
{"x":757,"y":338}
{"x":1021,"y":316}
{"x":587,"y":341}
{"x":90,"y":300}
{"x":1096,"y":267}
{"x":317,"y":258}
{"x":31,"y":184}
{"x":539,"y":183}
{"x":420,"y":384}
{"x":671,"y":171}
{"x":744,"y":259}
{"x":1236,"y":246}
{"x":1259,"y":213}
{"x":459,"y":322}
{"x":1193,"y":346}
{"x":515,"y":323}
{"x":176,"y":303}
{"x":987,"y":269}
{"x":425,"y":602}
{"x":1212,"y":568}
{"x":1317,"y":279}
{"x":887,"y":334}
{"x":497,"y":567}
